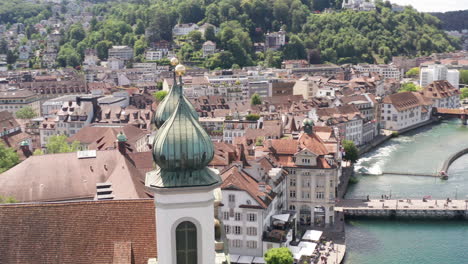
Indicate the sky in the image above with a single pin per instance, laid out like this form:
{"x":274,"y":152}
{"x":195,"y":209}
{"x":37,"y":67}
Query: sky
{"x":434,"y":5}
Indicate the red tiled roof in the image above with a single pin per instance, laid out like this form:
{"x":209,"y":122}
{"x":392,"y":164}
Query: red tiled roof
{"x":235,"y":177}
{"x":78,"y":232}
{"x":440,"y":89}
{"x":405,"y":100}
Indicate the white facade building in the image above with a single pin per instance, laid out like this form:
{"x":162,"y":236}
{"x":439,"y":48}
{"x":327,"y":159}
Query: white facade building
{"x":121,"y":52}
{"x":209,"y":48}
{"x":402,"y":110}
{"x":437,"y":72}
{"x":184,"y":29}
{"x":386,"y":71}
{"x":152,"y":55}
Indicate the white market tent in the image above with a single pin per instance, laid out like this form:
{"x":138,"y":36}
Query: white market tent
{"x":307,"y":248}
{"x":281,"y":217}
{"x":234,"y":258}
{"x":245,"y":260}
{"x":259,"y":260}
{"x":312,"y":235}
{"x":295,"y":251}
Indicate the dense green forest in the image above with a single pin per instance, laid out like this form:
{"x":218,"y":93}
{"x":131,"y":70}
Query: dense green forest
{"x":339,"y":36}
{"x":20,"y":11}
{"x":454,"y":20}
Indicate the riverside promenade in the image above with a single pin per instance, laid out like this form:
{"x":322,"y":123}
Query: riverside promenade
{"x":404,"y":208}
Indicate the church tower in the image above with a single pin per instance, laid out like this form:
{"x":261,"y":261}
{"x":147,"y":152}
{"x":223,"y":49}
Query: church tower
{"x":182,"y":183}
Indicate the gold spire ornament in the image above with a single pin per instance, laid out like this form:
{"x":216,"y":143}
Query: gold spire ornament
{"x":180,"y":70}
{"x":174,"y":61}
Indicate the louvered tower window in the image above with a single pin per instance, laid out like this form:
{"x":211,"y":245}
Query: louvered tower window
{"x":186,"y":243}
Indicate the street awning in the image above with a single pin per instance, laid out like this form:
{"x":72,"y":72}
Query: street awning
{"x":234,"y":258}
{"x":281,"y":217}
{"x":309,"y":246}
{"x":245,"y":260}
{"x":259,"y":260}
{"x":312,"y":235}
{"x":295,"y":251}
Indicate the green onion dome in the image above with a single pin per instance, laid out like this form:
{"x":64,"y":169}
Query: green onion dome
{"x":167,"y":107}
{"x":182,"y":143}
{"x":182,"y":150}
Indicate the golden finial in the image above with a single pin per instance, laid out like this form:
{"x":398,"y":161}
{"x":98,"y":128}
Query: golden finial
{"x":174,"y":61}
{"x":180,"y":70}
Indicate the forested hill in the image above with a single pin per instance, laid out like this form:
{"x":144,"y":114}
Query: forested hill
{"x":338,"y":36}
{"x":454,"y":20}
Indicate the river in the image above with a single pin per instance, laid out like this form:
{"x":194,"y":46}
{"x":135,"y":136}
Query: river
{"x":411,"y":242}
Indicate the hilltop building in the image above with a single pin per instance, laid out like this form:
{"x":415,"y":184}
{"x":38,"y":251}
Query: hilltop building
{"x":359,"y":5}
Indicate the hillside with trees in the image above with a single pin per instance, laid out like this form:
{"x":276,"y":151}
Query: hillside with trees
{"x":454,"y":20}
{"x":336,"y":36}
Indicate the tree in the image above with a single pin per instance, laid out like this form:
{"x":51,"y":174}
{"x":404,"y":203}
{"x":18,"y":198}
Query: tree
{"x":140,"y":27}
{"x":279,"y":256}
{"x":210,"y":34}
{"x":409,"y":87}
{"x":464,"y":93}
{"x":68,"y":56}
{"x":464,"y":76}
{"x":413,"y":72}
{"x":26,"y":113}
{"x":7,"y":200}
{"x":8,"y":158}
{"x":160,"y":95}
{"x":102,"y":49}
{"x":255,"y":99}
{"x":196,"y":38}
{"x":38,"y":152}
{"x":140,"y":46}
{"x":3,"y":46}
{"x":252,"y":117}
{"x":351,"y":151}
{"x":11,"y":57}
{"x":59,"y":144}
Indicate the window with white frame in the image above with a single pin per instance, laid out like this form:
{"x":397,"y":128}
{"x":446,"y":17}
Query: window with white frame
{"x":232,"y":198}
{"x":227,"y":229}
{"x":251,"y":231}
{"x":226,"y":215}
{"x":320,"y":195}
{"x":292,"y":194}
{"x":292,"y":182}
{"x":251,"y":217}
{"x":237,"y":230}
{"x":236,"y":243}
{"x":238,"y":216}
{"x":251,"y":244}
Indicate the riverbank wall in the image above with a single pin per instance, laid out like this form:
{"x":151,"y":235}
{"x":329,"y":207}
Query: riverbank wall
{"x":346,"y":174}
{"x":373,"y":144}
{"x":380,"y":139}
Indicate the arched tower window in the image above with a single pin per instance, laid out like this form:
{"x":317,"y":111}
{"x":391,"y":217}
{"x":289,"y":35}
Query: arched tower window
{"x":186,"y":243}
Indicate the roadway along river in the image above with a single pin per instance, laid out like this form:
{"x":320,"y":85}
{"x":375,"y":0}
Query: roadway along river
{"x":411,"y":242}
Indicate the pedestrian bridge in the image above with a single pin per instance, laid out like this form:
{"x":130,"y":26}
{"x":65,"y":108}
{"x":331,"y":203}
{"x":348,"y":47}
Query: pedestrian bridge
{"x":452,"y":112}
{"x":457,"y":209}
